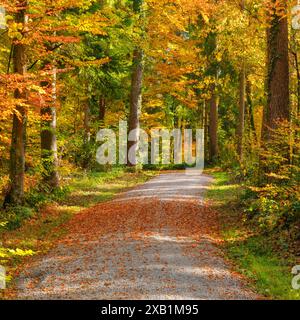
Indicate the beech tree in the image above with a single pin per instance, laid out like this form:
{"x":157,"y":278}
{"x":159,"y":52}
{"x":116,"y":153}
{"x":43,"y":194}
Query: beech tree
{"x":278,"y":107}
{"x":48,"y":135}
{"x":242,"y":101}
{"x":136,"y":90}
{"x":15,"y":193}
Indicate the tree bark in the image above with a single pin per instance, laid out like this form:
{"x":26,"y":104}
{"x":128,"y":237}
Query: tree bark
{"x":206,"y":129}
{"x":242,"y":104}
{"x":250,"y":107}
{"x":49,"y":140}
{"x":136,"y":93}
{"x":295,"y":54}
{"x":278,"y":71}
{"x":213,"y":126}
{"x":102,"y":109}
{"x":86,"y":122}
{"x":15,"y":195}
{"x":241,"y":121}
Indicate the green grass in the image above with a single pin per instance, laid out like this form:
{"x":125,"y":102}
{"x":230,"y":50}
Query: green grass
{"x":38,"y":233}
{"x":222,"y":191}
{"x":271,"y":274}
{"x":252,"y":253}
{"x":97,"y":187}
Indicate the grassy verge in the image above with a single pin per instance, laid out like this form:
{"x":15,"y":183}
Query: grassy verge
{"x":37,"y":234}
{"x":256,"y":255}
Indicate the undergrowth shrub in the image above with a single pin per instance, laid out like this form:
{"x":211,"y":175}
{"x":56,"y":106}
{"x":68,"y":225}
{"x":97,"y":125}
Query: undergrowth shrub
{"x":278,"y":186}
{"x":13,"y":217}
{"x":271,"y":175}
{"x":36,"y":198}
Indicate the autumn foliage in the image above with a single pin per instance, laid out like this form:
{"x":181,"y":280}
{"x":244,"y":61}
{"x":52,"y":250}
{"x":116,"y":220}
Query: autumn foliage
{"x":67,"y":69}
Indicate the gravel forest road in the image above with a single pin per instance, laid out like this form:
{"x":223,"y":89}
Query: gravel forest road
{"x":157,"y":241}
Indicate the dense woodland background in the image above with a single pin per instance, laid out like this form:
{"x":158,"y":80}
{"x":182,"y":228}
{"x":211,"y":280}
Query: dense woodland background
{"x":231,"y":67}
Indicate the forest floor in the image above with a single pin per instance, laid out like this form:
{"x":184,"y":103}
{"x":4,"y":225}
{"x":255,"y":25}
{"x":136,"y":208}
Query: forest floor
{"x":266,"y":259}
{"x":40,"y":231}
{"x":157,"y":241}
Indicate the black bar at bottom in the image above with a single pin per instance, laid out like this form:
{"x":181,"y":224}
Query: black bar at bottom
{"x":97,"y":310}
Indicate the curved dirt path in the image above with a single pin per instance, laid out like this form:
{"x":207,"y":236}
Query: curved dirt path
{"x":157,"y":241}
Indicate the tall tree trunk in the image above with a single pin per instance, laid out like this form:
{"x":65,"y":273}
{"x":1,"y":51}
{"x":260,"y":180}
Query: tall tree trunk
{"x":48,"y":138}
{"x":15,"y":195}
{"x":86,"y":122}
{"x":278,"y":70}
{"x":102,"y":109}
{"x":213,"y":126}
{"x":298,"y":81}
{"x":241,"y":121}
{"x":136,"y":93}
{"x":242,"y":89}
{"x":206,"y":129}
{"x":85,"y":158}
{"x":250,"y":107}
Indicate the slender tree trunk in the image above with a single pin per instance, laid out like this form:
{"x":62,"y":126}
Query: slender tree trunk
{"x":15,"y":195}
{"x":250,"y":107}
{"x":278,"y":71}
{"x":241,"y":122}
{"x":86,"y":122}
{"x":213,"y":126}
{"x":136,"y":94}
{"x":102,"y":109}
{"x":85,"y":163}
{"x":48,"y":138}
{"x":298,"y":81}
{"x":135,"y":99}
{"x":206,"y":129}
{"x":242,"y":104}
